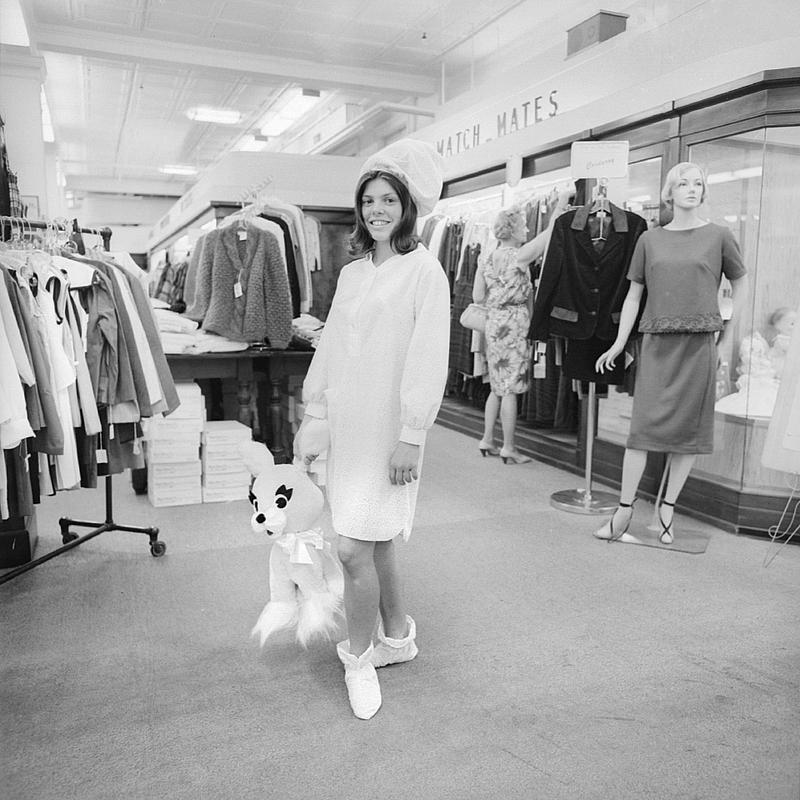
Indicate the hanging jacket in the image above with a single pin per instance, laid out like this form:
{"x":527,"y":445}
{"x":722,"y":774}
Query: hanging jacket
{"x":582,"y":287}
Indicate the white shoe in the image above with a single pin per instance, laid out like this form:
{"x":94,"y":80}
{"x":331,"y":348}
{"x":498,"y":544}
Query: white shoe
{"x":395,"y":651}
{"x":361,"y":679}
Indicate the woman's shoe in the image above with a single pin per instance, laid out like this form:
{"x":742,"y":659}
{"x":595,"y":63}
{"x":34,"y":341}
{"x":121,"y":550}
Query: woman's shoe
{"x":361,"y":680}
{"x":395,"y":651}
{"x":487,"y":449}
{"x":665,"y":536}
{"x":513,"y":457}
{"x":611,"y":534}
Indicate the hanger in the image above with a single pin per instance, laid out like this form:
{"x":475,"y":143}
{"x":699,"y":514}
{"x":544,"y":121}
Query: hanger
{"x":601,"y":207}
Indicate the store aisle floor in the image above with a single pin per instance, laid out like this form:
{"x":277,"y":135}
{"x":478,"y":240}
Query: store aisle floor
{"x":552,"y":666}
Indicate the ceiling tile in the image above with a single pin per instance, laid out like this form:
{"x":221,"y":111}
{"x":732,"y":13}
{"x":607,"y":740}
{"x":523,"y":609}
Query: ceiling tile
{"x":183,"y":26}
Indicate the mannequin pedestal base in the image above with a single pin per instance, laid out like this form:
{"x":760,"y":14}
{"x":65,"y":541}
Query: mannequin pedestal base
{"x":686,"y":541}
{"x":579,"y":501}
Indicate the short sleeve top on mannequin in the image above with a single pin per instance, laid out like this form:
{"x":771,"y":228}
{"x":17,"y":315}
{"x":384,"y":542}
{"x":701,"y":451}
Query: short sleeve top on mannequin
{"x":682,"y":270}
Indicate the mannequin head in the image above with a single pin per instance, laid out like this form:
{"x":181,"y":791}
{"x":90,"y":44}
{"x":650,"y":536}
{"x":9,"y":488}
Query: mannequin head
{"x":680,"y":173}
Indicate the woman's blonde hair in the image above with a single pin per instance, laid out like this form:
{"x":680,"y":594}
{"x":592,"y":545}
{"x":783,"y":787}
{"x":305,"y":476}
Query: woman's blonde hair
{"x":675,"y":174}
{"x":510,"y":224}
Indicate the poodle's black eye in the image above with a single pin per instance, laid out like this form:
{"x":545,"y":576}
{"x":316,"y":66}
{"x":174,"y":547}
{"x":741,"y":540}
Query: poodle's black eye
{"x":283,"y":496}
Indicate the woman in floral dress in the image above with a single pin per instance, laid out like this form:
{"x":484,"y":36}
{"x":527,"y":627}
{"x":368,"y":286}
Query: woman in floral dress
{"x":503,"y":285}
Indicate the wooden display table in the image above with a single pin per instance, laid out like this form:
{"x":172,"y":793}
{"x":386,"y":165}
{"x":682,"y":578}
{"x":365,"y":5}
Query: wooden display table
{"x":244,"y":366}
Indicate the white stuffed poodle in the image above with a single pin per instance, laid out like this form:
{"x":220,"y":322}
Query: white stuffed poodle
{"x":305,"y":577}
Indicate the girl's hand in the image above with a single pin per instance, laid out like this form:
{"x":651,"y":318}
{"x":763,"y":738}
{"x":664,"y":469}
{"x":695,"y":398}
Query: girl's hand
{"x":311,"y":439}
{"x":403,"y":465}
{"x":607,"y":359}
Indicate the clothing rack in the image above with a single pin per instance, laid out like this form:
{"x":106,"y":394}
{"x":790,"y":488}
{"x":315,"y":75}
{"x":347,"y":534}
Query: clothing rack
{"x":585,"y":501}
{"x":61,"y":225}
{"x":70,"y":539}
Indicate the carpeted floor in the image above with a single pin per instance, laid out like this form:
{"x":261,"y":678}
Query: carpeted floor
{"x":552,"y":666}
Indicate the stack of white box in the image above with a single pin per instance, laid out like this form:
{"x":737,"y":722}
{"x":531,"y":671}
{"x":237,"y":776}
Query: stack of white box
{"x":172,"y":447}
{"x":225,"y":476}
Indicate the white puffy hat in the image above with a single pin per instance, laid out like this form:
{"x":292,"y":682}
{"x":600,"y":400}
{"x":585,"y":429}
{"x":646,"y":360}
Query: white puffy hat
{"x":417,"y":164}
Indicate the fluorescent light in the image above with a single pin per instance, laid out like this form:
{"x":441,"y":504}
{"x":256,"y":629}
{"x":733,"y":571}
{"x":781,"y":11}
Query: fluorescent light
{"x":177,"y":169}
{"x":221,"y":116}
{"x":735,"y":175}
{"x":48,"y":134}
{"x":293,"y":105}
{"x":749,"y":172}
{"x":641,"y":198}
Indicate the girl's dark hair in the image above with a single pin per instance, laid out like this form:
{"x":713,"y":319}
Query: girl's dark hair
{"x":404,"y":238}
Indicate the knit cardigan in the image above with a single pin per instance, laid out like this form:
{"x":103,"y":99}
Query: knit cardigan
{"x":264,"y":307}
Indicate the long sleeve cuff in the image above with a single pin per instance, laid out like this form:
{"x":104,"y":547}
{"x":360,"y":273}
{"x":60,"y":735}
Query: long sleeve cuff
{"x":413,"y":435}
{"x":317,"y":409}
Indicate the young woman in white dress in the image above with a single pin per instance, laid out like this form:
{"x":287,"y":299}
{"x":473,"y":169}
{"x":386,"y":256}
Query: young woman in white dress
{"x":378,"y":377}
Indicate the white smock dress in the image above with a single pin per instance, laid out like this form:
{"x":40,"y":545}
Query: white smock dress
{"x":378,"y":375}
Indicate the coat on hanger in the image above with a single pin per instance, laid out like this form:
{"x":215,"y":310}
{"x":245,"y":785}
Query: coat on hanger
{"x":582,"y":287}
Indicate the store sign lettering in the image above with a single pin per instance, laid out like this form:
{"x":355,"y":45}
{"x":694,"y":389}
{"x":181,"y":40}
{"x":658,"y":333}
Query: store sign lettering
{"x":521,"y":116}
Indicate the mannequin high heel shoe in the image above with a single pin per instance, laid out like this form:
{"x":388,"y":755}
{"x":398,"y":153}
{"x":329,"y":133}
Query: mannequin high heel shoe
{"x":487,"y":449}
{"x":608,"y":532}
{"x":514,"y":457}
{"x":665,"y":536}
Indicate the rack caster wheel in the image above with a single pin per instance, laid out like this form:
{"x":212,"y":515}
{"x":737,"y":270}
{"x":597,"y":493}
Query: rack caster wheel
{"x":68,"y":536}
{"x":157,"y":549}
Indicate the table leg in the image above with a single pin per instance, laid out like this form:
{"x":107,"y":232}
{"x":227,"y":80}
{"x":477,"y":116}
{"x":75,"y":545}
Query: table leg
{"x":243,"y":397}
{"x":276,"y":424}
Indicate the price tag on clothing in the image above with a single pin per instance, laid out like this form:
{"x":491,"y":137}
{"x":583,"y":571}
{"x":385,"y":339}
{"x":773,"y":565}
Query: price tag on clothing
{"x":102,"y":457}
{"x":242,"y":236}
{"x":237,"y":289}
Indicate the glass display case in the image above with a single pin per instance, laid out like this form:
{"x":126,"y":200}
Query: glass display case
{"x":753,"y":179}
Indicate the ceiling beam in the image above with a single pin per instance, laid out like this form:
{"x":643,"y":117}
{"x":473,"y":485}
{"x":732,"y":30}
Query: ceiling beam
{"x":141,"y":186}
{"x":118,"y":46}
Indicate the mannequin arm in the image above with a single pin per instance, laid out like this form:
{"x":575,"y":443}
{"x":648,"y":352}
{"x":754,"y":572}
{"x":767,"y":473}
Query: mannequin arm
{"x":739,"y":293}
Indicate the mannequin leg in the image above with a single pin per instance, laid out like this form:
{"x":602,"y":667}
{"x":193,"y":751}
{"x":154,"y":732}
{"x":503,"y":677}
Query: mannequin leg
{"x":633,"y":464}
{"x":490,"y":412}
{"x":391,"y":599}
{"x":680,"y":467}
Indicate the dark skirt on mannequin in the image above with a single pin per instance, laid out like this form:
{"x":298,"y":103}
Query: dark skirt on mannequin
{"x":673,"y":401}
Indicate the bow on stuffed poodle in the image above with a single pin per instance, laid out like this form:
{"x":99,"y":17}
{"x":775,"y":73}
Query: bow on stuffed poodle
{"x":305,"y":578}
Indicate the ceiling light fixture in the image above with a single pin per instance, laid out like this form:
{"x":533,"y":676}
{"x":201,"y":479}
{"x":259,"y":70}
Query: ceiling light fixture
{"x":292,"y":105}
{"x":177,"y":169}
{"x":220,"y":116}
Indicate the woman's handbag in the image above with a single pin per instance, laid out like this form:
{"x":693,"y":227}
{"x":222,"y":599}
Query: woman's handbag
{"x":474,"y":317}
